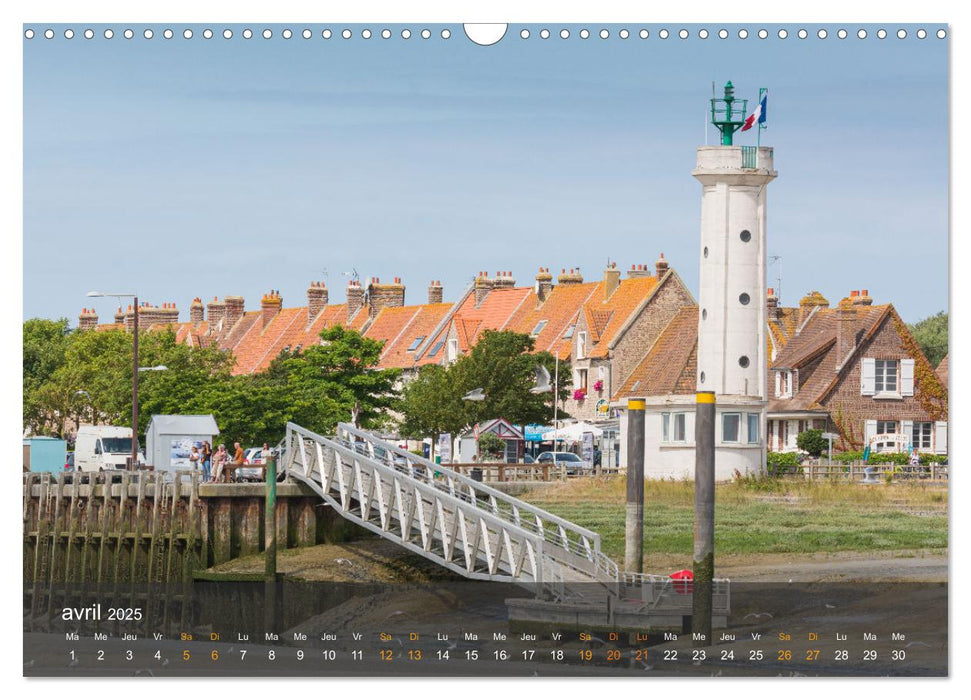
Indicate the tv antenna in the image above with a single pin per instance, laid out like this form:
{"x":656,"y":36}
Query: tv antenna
{"x":773,"y":259}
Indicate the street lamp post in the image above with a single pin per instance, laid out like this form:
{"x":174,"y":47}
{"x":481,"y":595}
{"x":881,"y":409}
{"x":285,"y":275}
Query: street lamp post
{"x":134,"y":374}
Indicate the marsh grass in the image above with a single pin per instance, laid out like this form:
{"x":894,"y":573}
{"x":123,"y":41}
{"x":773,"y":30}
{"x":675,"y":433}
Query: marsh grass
{"x":770,"y":516}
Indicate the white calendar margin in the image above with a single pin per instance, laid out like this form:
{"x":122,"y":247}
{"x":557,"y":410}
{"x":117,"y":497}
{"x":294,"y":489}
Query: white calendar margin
{"x":565,"y":11}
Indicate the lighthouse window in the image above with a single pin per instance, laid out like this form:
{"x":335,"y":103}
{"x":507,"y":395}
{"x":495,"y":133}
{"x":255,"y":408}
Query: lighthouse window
{"x":743,"y":361}
{"x":704,"y":314}
{"x":744,"y":298}
{"x":731,"y":422}
{"x":702,"y":377}
{"x":706,"y":251}
{"x":746,"y":236}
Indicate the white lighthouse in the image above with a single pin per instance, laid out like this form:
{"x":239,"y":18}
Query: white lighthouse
{"x":731,"y":317}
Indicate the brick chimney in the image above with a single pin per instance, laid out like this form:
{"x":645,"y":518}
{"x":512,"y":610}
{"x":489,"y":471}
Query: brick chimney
{"x":355,"y":298}
{"x":638,"y":270}
{"x":149,"y":315}
{"x":809,"y":302}
{"x":845,"y":329}
{"x":129,"y":318}
{"x":771,"y":304}
{"x":119,"y":316}
{"x":611,"y":280}
{"x":87,"y":320}
{"x":544,"y":283}
{"x":216,"y":311}
{"x":435,"y":292}
{"x":385,"y":295}
{"x":197,"y":311}
{"x":169,"y":313}
{"x":234,"y":310}
{"x":317,"y":299}
{"x":503,"y":280}
{"x":483,"y":285}
{"x":571,"y":277}
{"x":270,"y":306}
{"x":660,"y":266}
{"x":863,"y":299}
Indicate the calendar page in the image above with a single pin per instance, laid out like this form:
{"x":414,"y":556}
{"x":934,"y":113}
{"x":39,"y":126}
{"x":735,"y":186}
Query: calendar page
{"x":485,"y":350}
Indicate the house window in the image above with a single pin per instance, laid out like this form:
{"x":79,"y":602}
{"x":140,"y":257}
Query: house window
{"x":885,"y":378}
{"x":886,"y":427}
{"x":435,"y":348}
{"x":673,"y":427}
{"x":922,"y":435}
{"x":580,"y":379}
{"x":569,"y":331}
{"x":731,"y":423}
{"x":415,"y":343}
{"x":453,"y":349}
{"x":753,"y":428}
{"x":783,"y":384}
{"x":581,"y":344}
{"x":539,"y":328}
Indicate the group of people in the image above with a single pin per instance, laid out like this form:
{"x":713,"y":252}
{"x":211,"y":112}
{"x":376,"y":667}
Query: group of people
{"x":214,"y":464}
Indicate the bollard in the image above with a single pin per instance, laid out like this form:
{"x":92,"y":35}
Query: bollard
{"x":634,"y":553}
{"x":704,"y":554}
{"x":269,"y":571}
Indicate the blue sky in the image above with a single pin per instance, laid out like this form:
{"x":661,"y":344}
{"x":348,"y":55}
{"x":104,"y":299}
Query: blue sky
{"x":198,"y":168}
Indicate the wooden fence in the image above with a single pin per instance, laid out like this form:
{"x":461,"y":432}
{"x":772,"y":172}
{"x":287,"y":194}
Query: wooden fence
{"x":857,"y":471}
{"x":511,"y":471}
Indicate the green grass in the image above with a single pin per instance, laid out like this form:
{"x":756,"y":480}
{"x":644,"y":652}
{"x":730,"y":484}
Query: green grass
{"x":760,"y":517}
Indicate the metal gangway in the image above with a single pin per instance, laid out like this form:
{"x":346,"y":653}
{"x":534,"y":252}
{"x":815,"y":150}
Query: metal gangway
{"x":460,"y":523}
{"x":473,"y":529}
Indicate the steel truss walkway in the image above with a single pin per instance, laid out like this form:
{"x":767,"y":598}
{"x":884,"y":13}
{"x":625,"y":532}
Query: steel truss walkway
{"x":457,"y":522}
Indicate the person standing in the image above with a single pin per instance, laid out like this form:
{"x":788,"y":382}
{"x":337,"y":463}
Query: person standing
{"x":206,"y":458}
{"x":194,"y":458}
{"x":218,"y":462}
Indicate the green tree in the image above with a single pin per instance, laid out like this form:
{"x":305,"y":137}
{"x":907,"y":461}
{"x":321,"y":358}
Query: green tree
{"x":502,"y":364}
{"x":812,"y":442}
{"x":492,"y":448}
{"x":44,"y":346}
{"x":432,"y":404}
{"x":931,"y":335}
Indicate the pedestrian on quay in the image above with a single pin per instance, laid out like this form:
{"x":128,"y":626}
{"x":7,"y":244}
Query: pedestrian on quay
{"x":206,"y":457}
{"x":219,"y":458}
{"x":265,"y":455}
{"x":194,"y":458}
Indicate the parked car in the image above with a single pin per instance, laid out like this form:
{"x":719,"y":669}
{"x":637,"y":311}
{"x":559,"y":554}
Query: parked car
{"x":254,"y":456}
{"x":569,"y":460}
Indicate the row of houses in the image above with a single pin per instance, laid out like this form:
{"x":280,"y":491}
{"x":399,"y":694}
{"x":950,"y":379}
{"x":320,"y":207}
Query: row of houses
{"x":852,"y":368}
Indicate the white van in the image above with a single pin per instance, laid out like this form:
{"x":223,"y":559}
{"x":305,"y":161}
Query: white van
{"x":102,"y":448}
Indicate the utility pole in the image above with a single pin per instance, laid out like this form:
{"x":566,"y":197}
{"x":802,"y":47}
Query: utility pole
{"x":703,"y":568}
{"x":634,"y":553}
{"x":134,"y":390}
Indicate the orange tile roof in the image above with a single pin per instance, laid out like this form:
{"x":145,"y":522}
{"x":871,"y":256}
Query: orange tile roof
{"x":628,"y":296}
{"x":399,"y":328}
{"x":664,"y":368}
{"x":493,"y":313}
{"x":560,"y":310}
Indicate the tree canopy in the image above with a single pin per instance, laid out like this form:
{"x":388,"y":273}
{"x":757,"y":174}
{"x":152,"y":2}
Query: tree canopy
{"x":86,"y":376}
{"x":502,"y":364}
{"x":931,"y":335}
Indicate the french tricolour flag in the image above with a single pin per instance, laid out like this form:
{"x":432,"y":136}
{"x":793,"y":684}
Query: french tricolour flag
{"x":757,"y":116}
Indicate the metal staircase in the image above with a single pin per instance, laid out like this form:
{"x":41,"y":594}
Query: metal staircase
{"x":457,"y":522}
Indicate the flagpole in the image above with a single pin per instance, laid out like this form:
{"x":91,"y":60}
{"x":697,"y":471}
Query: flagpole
{"x":758,"y":141}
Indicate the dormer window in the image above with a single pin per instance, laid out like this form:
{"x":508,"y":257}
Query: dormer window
{"x":783,"y":384}
{"x":581,"y":345}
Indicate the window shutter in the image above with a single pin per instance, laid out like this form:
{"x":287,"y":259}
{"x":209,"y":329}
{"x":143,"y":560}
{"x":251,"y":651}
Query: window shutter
{"x":868,"y":377}
{"x":907,"y":428}
{"x":869,"y":430}
{"x":907,"y":377}
{"x":940,"y":437}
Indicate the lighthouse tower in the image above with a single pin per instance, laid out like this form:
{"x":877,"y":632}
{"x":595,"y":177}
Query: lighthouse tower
{"x":731,"y":318}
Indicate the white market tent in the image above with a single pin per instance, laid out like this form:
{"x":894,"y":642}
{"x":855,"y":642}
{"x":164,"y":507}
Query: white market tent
{"x":573,"y":432}
{"x":169,"y":439}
